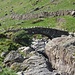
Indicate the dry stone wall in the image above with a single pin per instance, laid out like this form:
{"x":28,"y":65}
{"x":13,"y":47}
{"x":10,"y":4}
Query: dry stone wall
{"x":40,"y":15}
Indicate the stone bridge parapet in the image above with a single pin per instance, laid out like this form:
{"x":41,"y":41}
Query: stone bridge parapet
{"x":49,"y":32}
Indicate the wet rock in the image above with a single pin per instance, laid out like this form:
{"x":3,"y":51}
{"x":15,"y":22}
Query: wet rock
{"x":36,"y":63}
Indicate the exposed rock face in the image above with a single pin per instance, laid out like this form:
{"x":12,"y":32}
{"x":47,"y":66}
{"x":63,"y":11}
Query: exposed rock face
{"x":60,"y":51}
{"x":61,"y":54}
{"x":36,"y":64}
{"x":33,"y":64}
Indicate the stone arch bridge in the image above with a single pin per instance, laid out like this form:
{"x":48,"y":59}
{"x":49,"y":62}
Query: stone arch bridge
{"x":49,"y":32}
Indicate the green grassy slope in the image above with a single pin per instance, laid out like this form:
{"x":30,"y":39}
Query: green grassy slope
{"x":27,"y":6}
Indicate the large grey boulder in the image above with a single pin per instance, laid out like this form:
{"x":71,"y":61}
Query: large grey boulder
{"x":13,"y":56}
{"x":61,"y":54}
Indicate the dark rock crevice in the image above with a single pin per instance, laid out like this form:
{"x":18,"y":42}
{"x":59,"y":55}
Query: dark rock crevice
{"x":49,"y":66}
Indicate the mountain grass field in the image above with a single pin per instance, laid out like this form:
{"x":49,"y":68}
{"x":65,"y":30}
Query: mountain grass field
{"x":7,"y":7}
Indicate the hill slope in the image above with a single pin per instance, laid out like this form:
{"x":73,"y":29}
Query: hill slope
{"x":8,"y":7}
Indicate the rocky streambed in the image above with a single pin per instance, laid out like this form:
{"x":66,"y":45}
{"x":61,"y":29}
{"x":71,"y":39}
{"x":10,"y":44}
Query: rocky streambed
{"x":44,"y":57}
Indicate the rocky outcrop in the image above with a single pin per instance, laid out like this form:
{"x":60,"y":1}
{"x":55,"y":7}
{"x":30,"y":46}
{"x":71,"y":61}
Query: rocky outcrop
{"x":13,"y":56}
{"x":61,"y":54}
{"x":34,"y":63}
{"x":33,"y":60}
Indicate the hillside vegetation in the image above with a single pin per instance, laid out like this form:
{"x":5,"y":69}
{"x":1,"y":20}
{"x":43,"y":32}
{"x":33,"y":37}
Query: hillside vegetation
{"x":8,"y":7}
